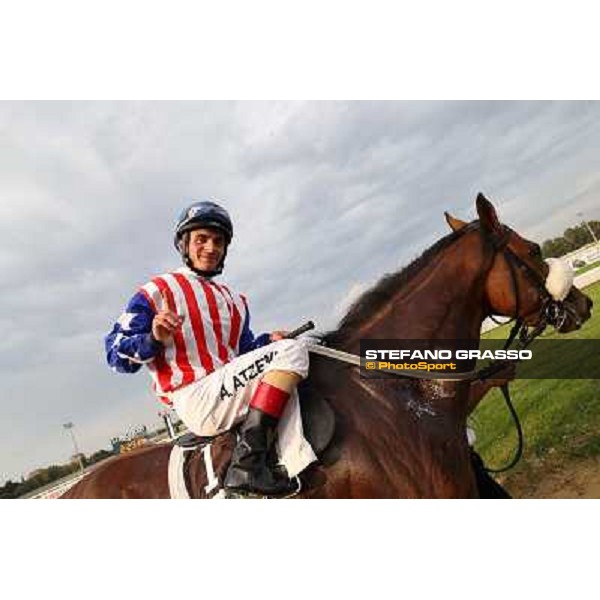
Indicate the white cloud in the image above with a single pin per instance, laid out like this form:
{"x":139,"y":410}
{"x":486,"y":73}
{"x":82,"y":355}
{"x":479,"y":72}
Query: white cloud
{"x":355,"y":291}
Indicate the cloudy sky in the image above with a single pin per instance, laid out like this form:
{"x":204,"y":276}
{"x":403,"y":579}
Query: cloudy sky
{"x":326,"y":197}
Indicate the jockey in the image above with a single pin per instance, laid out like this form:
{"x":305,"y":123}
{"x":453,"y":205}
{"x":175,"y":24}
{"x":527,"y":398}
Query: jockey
{"x":194,"y":336}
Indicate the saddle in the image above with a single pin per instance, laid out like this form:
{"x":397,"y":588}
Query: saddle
{"x":318,"y":422}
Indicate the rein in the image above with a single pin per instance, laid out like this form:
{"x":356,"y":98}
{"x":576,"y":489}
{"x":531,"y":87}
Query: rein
{"x":554,"y":313}
{"x":358,"y":361}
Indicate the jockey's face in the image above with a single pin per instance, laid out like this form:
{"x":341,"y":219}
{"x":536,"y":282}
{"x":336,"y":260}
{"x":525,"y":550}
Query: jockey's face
{"x":206,"y":248}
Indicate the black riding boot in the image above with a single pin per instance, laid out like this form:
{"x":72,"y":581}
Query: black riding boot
{"x":249,"y":470}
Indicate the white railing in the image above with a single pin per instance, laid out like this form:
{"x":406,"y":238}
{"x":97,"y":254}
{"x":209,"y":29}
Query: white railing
{"x":57,"y":490}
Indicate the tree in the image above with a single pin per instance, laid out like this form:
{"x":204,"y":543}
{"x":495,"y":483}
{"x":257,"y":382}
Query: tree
{"x":98,"y":456}
{"x":8,"y":490}
{"x":577,"y":236}
{"x":572,"y":238}
{"x":555,"y":247}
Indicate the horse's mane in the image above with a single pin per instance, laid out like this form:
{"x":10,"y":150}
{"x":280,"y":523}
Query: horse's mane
{"x":384,"y":290}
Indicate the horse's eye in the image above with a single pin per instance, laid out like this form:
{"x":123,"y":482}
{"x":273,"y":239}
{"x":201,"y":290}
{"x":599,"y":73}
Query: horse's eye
{"x":535,"y":251}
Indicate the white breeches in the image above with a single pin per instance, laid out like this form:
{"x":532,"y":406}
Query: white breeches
{"x":220,"y":400}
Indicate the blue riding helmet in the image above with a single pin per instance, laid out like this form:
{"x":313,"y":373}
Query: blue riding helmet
{"x":203,"y":214}
{"x":198,"y":215}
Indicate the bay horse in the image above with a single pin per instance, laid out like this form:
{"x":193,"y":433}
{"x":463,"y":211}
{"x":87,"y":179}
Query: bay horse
{"x":399,"y":437}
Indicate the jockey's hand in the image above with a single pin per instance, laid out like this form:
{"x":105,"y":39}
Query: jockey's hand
{"x":278,"y":335}
{"x":165,"y":324}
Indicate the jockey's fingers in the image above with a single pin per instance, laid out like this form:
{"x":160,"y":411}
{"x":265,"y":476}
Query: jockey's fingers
{"x":172,"y":324}
{"x":167,"y":305}
{"x":169,"y":322}
{"x":278,"y":335}
{"x":165,"y":300}
{"x":170,"y":315}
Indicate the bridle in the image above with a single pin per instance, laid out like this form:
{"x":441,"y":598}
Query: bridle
{"x":553,"y":312}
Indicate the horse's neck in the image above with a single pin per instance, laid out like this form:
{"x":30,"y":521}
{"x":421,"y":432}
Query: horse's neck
{"x":443,"y":301}
{"x":420,"y":442}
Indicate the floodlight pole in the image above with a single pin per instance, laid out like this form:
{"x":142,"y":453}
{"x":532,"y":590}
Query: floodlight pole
{"x":587,"y":226}
{"x":69,"y":426}
{"x":166,"y":417}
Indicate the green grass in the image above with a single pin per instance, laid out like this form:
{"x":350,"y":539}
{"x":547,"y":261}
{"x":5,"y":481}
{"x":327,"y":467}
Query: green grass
{"x":587,"y":268}
{"x":559,"y":417}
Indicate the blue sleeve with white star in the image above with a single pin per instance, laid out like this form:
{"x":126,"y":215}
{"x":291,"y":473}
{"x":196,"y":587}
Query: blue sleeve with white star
{"x":247,"y":340}
{"x":130,"y":343}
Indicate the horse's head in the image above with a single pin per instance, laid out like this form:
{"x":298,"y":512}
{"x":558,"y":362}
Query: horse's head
{"x":519,"y":282}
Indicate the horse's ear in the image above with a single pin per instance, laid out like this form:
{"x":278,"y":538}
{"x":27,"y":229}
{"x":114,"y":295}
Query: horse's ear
{"x":487,"y":214}
{"x":455,"y":224}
